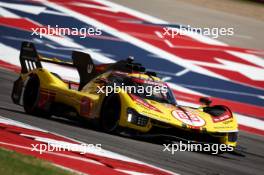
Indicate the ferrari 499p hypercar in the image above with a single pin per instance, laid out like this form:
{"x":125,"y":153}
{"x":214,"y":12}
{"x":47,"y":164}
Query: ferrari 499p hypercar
{"x":42,"y":92}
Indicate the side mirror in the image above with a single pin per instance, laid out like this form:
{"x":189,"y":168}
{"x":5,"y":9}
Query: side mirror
{"x":205,"y":100}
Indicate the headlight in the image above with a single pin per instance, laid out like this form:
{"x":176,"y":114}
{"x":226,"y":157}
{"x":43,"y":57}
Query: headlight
{"x":136,"y":118}
{"x":129,"y":117}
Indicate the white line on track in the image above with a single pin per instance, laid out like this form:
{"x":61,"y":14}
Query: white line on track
{"x":155,"y":20}
{"x":204,"y":39}
{"x":135,"y":41}
{"x":184,"y":71}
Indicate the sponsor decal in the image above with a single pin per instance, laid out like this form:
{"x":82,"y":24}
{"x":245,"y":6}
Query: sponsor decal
{"x":45,"y":99}
{"x":85,"y":106}
{"x":228,"y":121}
{"x":221,"y":118}
{"x":143,"y":102}
{"x":223,"y":127}
{"x":188,"y":118}
{"x":148,"y":81}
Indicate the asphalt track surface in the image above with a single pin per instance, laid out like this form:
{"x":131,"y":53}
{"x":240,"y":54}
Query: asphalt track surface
{"x":248,"y":32}
{"x":181,"y":162}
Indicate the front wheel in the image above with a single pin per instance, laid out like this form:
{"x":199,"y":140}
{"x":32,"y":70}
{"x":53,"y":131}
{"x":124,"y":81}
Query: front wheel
{"x":110,"y":114}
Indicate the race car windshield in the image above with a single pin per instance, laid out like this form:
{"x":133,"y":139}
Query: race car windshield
{"x":151,"y":90}
{"x":156,"y":92}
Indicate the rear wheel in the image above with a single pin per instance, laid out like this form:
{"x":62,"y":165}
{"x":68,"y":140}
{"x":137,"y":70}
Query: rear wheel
{"x":110,"y":114}
{"x":31,"y":97}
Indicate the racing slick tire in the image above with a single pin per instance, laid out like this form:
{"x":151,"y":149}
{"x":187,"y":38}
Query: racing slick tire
{"x":110,"y":114}
{"x":31,"y":98}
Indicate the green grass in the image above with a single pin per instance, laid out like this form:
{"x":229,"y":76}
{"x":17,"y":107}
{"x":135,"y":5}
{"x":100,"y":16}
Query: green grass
{"x":12,"y":163}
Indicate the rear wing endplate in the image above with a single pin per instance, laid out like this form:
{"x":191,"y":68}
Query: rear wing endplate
{"x":29,"y":58}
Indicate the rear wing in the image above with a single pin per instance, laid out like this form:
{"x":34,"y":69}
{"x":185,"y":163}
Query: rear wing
{"x":30,"y":60}
{"x":87,"y":70}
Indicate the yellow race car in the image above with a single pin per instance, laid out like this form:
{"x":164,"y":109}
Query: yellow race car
{"x":102,"y":97}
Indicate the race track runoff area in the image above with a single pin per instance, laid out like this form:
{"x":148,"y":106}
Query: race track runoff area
{"x":193,"y":65}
